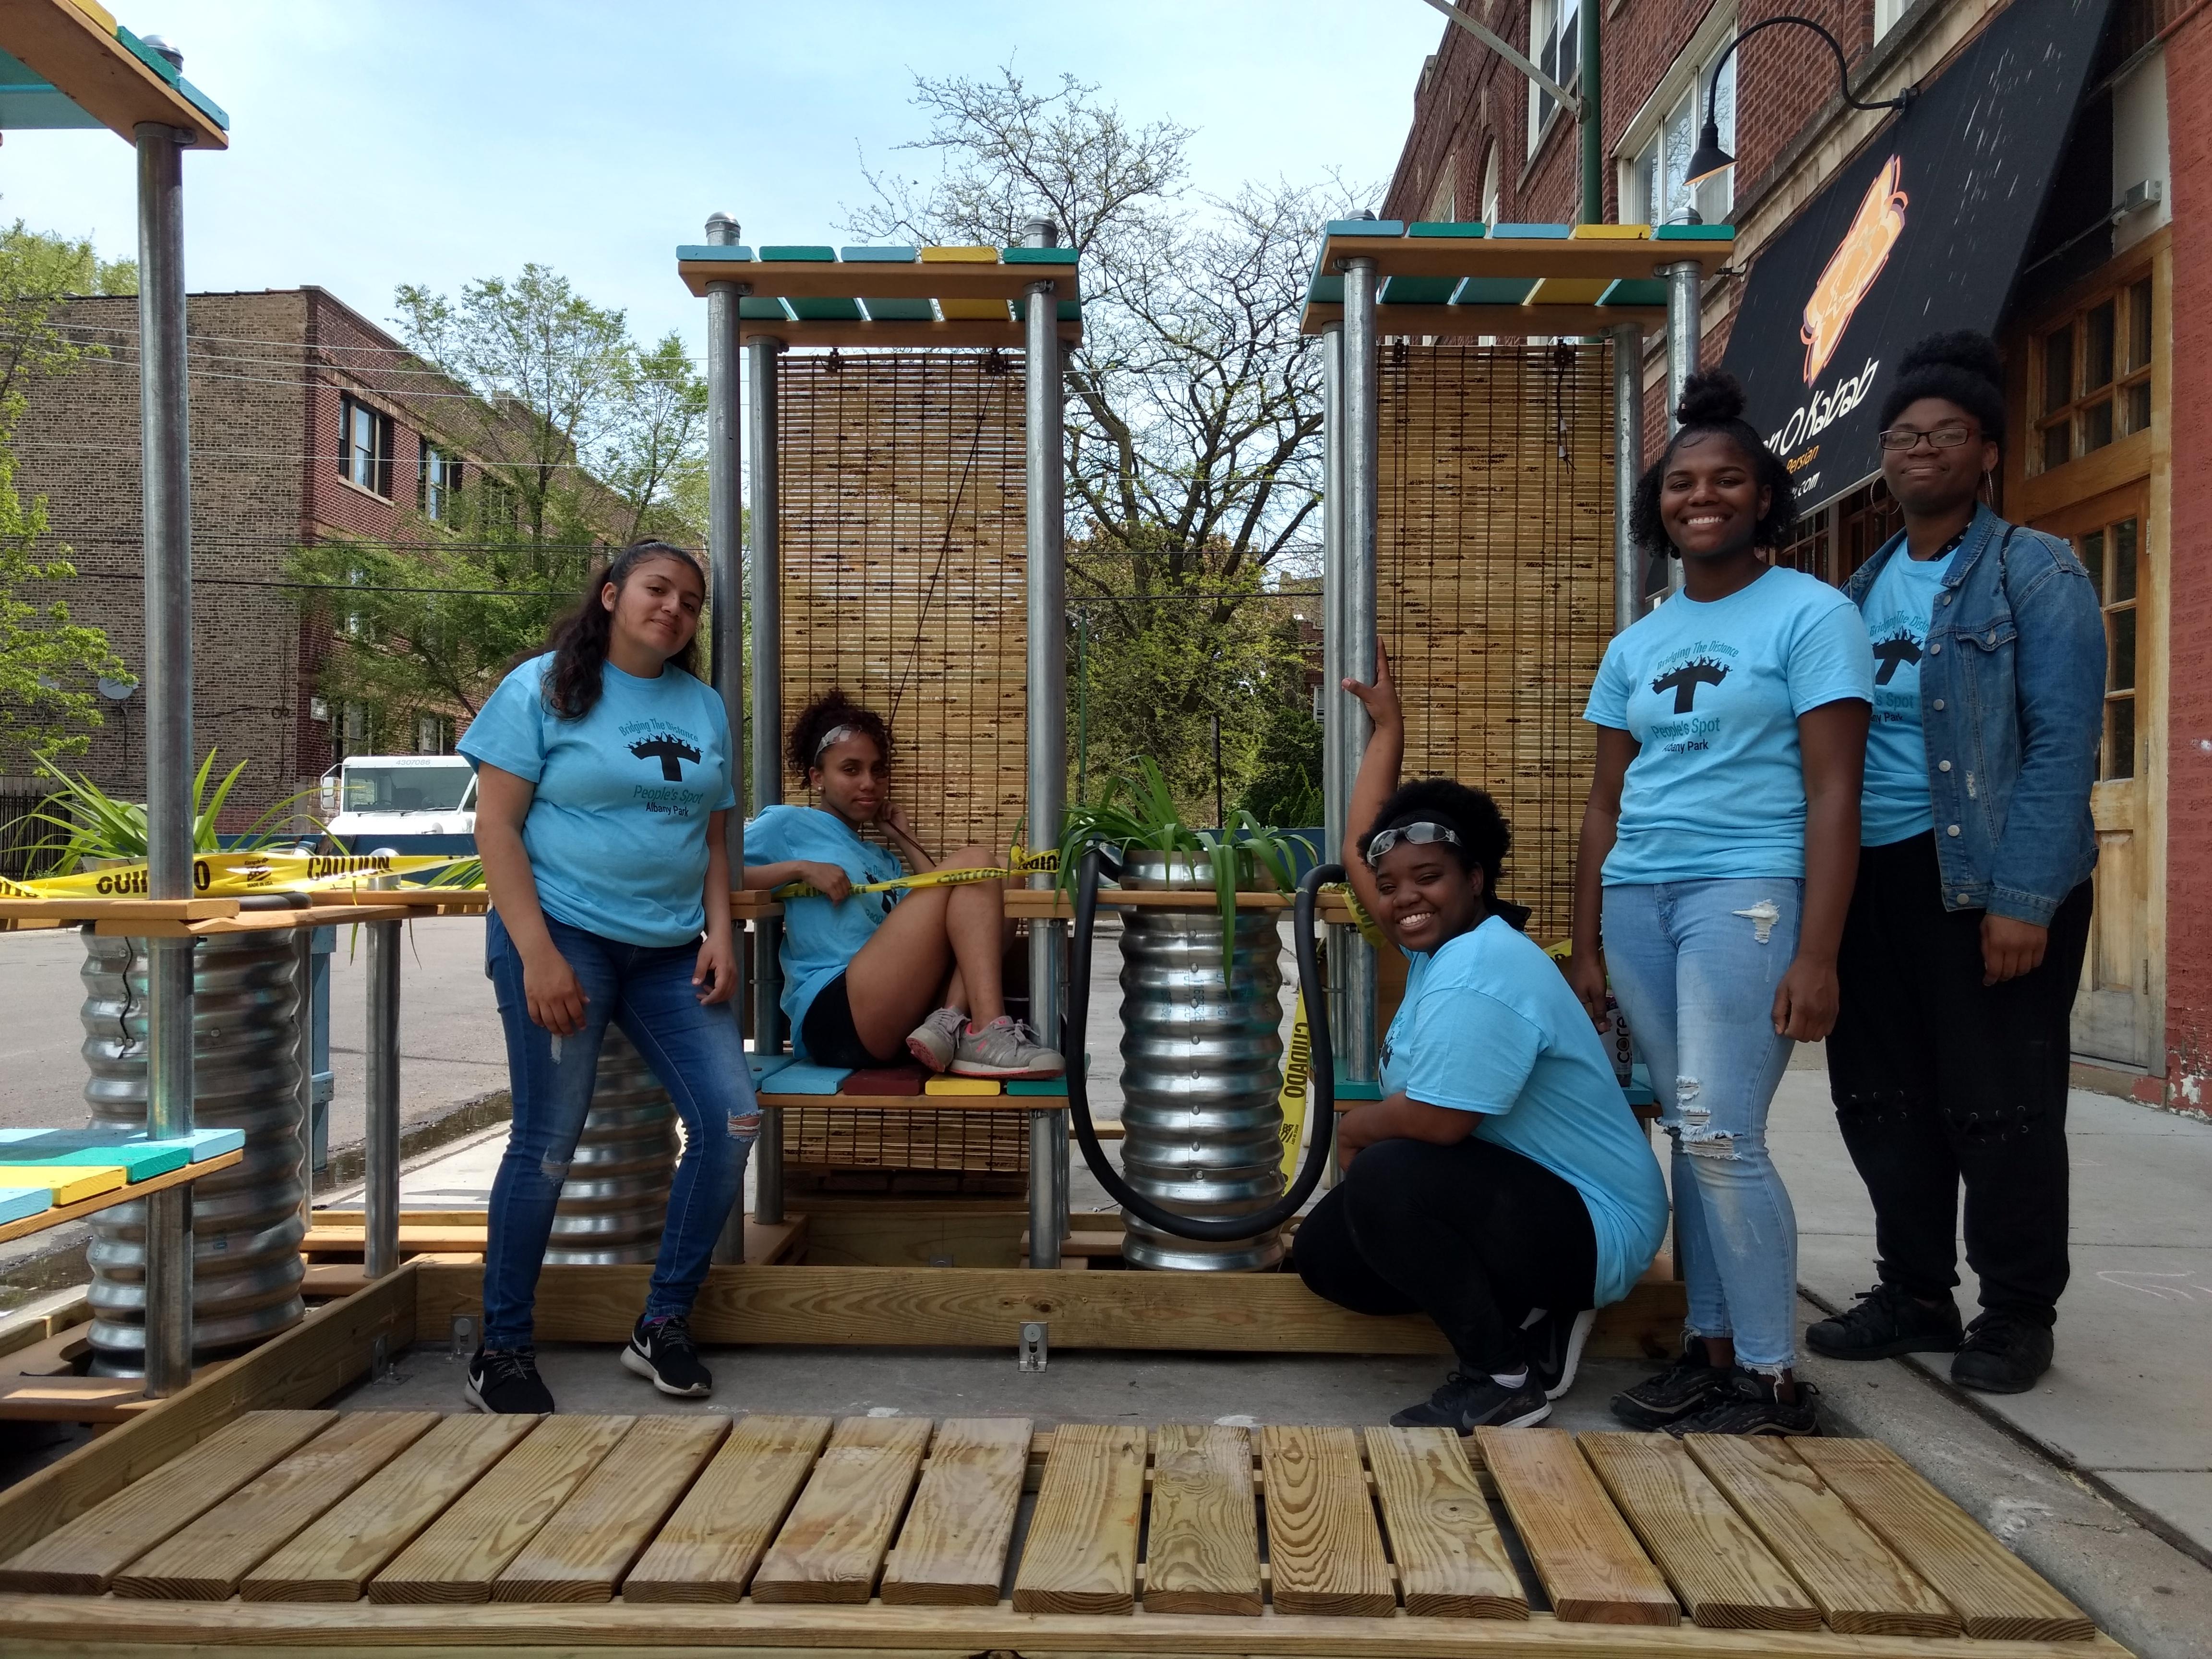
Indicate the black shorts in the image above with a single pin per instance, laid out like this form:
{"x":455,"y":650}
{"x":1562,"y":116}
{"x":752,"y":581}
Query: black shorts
{"x":829,"y":1034}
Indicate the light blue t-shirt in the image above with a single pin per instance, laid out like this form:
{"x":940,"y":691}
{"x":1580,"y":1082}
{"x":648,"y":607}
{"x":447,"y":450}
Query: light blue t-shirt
{"x":820,"y":939}
{"x":616,"y":833}
{"x":1895,"y":805}
{"x":1488,"y":1025}
{"x":1712,"y":693}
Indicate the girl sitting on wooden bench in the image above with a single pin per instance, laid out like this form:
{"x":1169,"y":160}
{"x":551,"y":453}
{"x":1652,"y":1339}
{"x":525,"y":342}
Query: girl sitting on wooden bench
{"x":866,"y":975}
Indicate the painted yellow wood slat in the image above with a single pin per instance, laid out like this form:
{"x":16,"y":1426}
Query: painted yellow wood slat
{"x":1202,"y":1544}
{"x":581,"y":1553}
{"x":831,"y":1545}
{"x":83,"y":1556}
{"x":1452,"y":1560}
{"x":708,"y":1550}
{"x":1324,"y":1553}
{"x":1584,"y":1554}
{"x":1081,"y":1552}
{"x":953,"y":1550}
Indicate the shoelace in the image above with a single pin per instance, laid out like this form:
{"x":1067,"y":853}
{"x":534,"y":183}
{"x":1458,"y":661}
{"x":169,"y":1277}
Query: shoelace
{"x":500,"y":1366}
{"x":1991,"y":1330}
{"x":674,"y":1332}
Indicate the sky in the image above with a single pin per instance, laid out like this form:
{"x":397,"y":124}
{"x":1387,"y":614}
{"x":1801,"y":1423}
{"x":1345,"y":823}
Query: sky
{"x":408,"y":141}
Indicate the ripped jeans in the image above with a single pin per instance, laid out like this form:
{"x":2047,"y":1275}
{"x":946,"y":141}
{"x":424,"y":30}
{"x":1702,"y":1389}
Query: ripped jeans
{"x":699,"y":1057}
{"x":1695,"y":965}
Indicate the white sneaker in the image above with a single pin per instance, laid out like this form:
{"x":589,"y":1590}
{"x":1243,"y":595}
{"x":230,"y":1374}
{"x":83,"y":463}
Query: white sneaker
{"x":1004,"y":1047}
{"x":935,"y":1041}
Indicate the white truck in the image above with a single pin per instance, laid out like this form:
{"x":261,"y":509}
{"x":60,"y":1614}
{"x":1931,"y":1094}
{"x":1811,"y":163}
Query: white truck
{"x":408,"y":803}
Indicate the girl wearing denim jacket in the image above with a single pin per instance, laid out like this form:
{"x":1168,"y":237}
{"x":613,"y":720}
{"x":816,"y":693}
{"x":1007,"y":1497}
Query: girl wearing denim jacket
{"x":1967,"y":930}
{"x":1719,"y":848}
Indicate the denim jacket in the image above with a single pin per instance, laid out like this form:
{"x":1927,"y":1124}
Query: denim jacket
{"x":2012,"y":698}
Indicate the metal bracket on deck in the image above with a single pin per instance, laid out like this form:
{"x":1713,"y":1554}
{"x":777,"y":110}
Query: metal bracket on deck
{"x":1031,"y":1355}
{"x":380,"y":1368}
{"x":462,"y":1337}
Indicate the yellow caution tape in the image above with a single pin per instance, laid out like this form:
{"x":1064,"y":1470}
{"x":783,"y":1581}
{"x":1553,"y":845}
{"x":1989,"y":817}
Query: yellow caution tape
{"x":229,"y":875}
{"x":1019,"y":862}
{"x":1369,"y":929}
{"x":1298,"y":1069}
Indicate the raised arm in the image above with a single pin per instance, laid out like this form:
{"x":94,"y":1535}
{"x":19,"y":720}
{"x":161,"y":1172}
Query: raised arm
{"x":1379,"y":767}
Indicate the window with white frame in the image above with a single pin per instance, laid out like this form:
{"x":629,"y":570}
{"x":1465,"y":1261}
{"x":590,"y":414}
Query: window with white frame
{"x":1490,"y":196}
{"x":1657,"y":190}
{"x":436,"y":481}
{"x":1554,"y":46}
{"x":1886,"y":13}
{"x":365,"y":445}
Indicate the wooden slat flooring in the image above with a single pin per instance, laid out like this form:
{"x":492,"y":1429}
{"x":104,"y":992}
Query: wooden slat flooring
{"x":711,"y":1546}
{"x":1587,"y":1559}
{"x":832,"y":1544}
{"x":1202,"y":1551}
{"x":1861,"y":1587}
{"x":953,"y":1550}
{"x":1996,"y":1593}
{"x":1324,"y":1553}
{"x":83,"y":1556}
{"x":581,"y":1553}
{"x":1081,"y":1554}
{"x":1452,"y":1560}
{"x":1724,"y":1576}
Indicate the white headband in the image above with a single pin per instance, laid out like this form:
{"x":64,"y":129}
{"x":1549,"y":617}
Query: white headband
{"x":835,"y":734}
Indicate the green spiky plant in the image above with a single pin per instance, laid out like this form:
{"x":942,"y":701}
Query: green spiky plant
{"x":94,"y":824}
{"x":1138,"y":813}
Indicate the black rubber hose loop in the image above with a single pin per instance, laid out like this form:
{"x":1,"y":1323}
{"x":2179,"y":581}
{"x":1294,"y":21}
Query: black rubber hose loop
{"x":1321,"y":1109}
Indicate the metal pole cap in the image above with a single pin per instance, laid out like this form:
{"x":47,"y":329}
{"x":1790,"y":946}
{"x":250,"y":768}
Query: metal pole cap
{"x":721,"y":229}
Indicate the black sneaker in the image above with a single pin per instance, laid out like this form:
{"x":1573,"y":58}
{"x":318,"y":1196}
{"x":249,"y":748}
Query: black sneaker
{"x":2002,"y":1353}
{"x":663,"y":1350}
{"x":1683,"y":1389}
{"x":1888,"y":1322}
{"x":505,"y":1382}
{"x":1752,"y":1405}
{"x":1555,"y":1343}
{"x":1470,"y":1402}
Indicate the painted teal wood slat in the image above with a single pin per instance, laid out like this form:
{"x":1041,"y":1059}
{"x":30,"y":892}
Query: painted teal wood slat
{"x":22,"y":1203}
{"x":1417,"y":290}
{"x":880,"y":256}
{"x":1038,"y":256}
{"x":734,"y":253}
{"x":1492,"y":291}
{"x":1693,"y":233}
{"x":1469,"y":229}
{"x":1365,"y":227}
{"x":825,"y":310}
{"x":1530,"y":233}
{"x":1635,"y":291}
{"x":799,"y":252}
{"x":765,"y":311}
{"x":900,"y":311}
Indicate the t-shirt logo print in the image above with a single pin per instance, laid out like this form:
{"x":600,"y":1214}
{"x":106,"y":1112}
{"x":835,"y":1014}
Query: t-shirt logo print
{"x":671,"y":751}
{"x":1898,"y":648}
{"x":1685,"y":680}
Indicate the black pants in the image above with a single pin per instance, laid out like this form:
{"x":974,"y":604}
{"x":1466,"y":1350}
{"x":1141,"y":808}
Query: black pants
{"x":1472,"y":1235}
{"x":1939,"y":1078}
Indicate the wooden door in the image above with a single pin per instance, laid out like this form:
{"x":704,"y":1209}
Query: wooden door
{"x":2113,"y":1016}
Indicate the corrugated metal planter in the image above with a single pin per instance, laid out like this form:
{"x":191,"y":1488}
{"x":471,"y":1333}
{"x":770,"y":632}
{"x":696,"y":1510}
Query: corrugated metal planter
{"x":246,"y":1225}
{"x":1202,"y":1059}
{"x":614,"y":1202}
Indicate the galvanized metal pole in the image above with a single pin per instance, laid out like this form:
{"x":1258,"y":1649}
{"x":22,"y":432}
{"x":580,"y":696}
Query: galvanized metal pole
{"x":1685,"y":328}
{"x":1362,"y":438}
{"x":1045,"y":492}
{"x":725,"y":583}
{"x":1627,"y":467}
{"x":380,"y":1199}
{"x":164,"y":421}
{"x":767,"y":591}
{"x":1336,"y":702}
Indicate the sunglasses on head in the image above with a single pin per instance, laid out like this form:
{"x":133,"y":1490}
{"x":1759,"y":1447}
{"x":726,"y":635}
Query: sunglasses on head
{"x":1422,"y":834}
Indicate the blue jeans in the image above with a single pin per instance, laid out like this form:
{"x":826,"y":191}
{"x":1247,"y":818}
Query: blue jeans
{"x":1695,"y":965}
{"x":698,"y":1055}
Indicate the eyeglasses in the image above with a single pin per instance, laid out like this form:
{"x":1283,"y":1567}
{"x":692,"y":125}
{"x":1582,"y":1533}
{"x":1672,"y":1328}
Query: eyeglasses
{"x":1417,"y":835}
{"x":1943,"y":437}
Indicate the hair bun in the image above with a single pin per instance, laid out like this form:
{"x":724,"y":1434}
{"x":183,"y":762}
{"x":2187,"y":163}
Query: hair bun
{"x":1965,"y":349}
{"x":1710,"y":397}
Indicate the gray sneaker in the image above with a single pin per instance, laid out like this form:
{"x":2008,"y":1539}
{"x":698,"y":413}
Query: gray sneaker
{"x":937,"y":1039}
{"x":1004,"y":1047}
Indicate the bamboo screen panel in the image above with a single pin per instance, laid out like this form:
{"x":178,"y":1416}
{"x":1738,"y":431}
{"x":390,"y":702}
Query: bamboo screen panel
{"x":1494,"y":582}
{"x":903,"y":575}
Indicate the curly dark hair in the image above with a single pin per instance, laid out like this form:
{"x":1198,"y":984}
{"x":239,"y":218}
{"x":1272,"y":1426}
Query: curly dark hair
{"x":824,"y":716}
{"x":1961,"y":367}
{"x":1712,"y":401}
{"x":579,"y":639}
{"x":1484,"y":835}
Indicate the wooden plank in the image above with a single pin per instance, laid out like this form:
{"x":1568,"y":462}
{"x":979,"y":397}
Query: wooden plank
{"x":1081,"y":1554}
{"x":1202,"y":1548}
{"x":61,"y":1214}
{"x":459,"y":1554}
{"x":1861,"y":1588}
{"x":1324,"y":1553}
{"x":952,"y":1551}
{"x":334,"y":1559}
{"x":1724,"y":1574}
{"x":83,"y":1555}
{"x":831,"y":1545}
{"x":1997,"y":1596}
{"x":206,"y":1561}
{"x":581,"y":1553}
{"x":1452,"y":1560}
{"x":1585,"y":1556}
{"x":709,"y":1548}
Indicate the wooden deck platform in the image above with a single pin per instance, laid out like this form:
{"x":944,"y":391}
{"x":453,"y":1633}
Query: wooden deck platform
{"x":342,"y":1531}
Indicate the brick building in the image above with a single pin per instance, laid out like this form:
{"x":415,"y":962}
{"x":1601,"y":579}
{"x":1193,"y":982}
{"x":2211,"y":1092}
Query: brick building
{"x":2098,"y":311}
{"x":307,"y":422}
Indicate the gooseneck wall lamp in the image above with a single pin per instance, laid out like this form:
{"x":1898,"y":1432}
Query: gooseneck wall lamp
{"x":1710,"y":158}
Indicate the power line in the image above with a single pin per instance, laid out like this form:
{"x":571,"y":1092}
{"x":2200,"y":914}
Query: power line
{"x":279,"y":455}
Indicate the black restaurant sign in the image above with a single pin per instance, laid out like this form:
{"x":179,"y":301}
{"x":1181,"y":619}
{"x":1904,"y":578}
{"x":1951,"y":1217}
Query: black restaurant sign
{"x":1923,"y":232}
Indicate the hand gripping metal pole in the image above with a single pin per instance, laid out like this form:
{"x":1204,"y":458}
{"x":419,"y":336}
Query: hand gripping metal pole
{"x":1360,"y":460}
{"x":1045,"y":490}
{"x":165,"y":457}
{"x":767,"y":595}
{"x":1685,"y":329}
{"x":380,"y":1199}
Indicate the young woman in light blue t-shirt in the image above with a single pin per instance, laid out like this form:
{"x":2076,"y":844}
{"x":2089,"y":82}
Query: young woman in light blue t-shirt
{"x":1719,"y":849}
